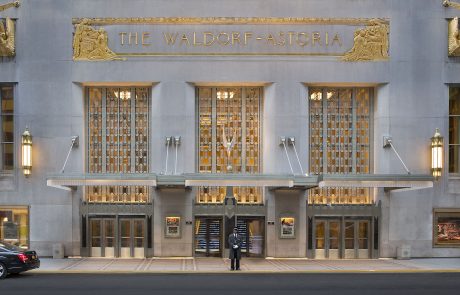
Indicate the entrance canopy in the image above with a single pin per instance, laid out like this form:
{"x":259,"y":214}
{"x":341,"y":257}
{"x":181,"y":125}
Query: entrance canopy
{"x":386,"y":181}
{"x":71,"y":181}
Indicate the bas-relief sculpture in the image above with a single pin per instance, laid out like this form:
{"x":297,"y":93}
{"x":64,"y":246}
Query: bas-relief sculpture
{"x":454,"y":40}
{"x":448,"y":3}
{"x":7,"y":47}
{"x":370,"y":43}
{"x":7,"y":44}
{"x":91,"y":44}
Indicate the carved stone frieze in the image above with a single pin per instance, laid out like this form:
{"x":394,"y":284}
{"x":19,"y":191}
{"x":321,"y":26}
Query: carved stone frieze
{"x":370,"y":43}
{"x":91,"y":44}
{"x":7,"y":44}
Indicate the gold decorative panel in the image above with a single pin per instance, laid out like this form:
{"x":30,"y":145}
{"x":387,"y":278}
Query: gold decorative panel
{"x":229,"y":138}
{"x":370,"y":43}
{"x":454,"y":38}
{"x":90,"y":43}
{"x":340,"y":141}
{"x":118,"y":136}
{"x":7,"y":38}
{"x":349,"y":39}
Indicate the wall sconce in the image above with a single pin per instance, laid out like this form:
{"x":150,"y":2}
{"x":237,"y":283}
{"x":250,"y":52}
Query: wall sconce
{"x":436,"y":153}
{"x":27,"y":152}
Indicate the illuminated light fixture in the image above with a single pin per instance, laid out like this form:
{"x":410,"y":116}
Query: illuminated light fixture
{"x":125,"y":95}
{"x":329,"y":94}
{"x":436,"y":153}
{"x":316,"y":96}
{"x":27,"y":152}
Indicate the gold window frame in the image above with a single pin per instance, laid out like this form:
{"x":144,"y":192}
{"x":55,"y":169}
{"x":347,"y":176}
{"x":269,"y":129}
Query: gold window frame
{"x":242,"y":159}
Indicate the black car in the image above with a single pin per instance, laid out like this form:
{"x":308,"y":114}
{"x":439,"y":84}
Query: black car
{"x":15,"y":260}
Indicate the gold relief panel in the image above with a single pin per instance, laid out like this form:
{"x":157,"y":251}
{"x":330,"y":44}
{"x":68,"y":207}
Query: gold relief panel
{"x":91,"y":44}
{"x":348,"y":39}
{"x":454,"y":38}
{"x":7,"y":32}
{"x":370,"y":43}
{"x":7,"y":38}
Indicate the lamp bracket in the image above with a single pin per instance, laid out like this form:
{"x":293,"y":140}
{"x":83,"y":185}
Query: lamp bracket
{"x":387,"y":141}
{"x":75,"y":143}
{"x":282,"y":140}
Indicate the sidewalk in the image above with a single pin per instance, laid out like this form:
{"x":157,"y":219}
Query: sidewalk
{"x":252,"y":265}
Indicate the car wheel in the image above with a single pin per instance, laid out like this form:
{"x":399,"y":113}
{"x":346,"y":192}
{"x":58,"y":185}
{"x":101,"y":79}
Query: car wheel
{"x":3,"y":271}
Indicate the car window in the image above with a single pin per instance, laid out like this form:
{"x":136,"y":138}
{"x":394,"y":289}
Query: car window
{"x":8,"y":247}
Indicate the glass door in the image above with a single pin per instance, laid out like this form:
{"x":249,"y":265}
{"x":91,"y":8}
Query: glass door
{"x":327,"y":239}
{"x":334,"y":239}
{"x":102,"y":237}
{"x":363,"y":238}
{"x":208,"y":237}
{"x":139,"y":229}
{"x":125,"y":238}
{"x":132,"y":237}
{"x":96,"y":235}
{"x":109,"y":238}
{"x":252,"y":231}
{"x":320,"y":239}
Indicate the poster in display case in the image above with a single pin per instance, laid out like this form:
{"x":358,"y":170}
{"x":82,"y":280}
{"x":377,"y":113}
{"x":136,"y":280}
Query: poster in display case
{"x":446,"y":228}
{"x":287,"y":227}
{"x":172,"y":227}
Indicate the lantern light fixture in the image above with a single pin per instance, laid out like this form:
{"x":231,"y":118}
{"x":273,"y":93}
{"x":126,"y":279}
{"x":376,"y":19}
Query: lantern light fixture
{"x":436,"y":153}
{"x":26,"y":152}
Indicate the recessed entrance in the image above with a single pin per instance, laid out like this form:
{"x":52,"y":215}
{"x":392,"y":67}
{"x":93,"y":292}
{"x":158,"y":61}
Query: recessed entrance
{"x":125,"y":238}
{"x":342,"y":238}
{"x":252,"y":230}
{"x":208,"y":236}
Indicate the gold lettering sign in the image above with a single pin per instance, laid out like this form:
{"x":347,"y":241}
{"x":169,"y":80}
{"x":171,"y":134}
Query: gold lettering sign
{"x":346,"y":39}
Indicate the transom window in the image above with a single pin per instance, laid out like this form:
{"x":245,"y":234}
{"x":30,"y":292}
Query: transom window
{"x":7,"y":128}
{"x":454,"y":130}
{"x":229,"y":138}
{"x":118,"y":140}
{"x":340,"y":140}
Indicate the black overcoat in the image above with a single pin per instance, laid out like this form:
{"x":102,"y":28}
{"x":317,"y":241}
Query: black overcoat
{"x":232,"y":240}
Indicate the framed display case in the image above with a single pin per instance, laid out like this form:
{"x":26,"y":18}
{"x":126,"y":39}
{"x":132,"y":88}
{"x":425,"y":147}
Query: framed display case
{"x":172,"y":229}
{"x":446,"y":228}
{"x":287,"y":227}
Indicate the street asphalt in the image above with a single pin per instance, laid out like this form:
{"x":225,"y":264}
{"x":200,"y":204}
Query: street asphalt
{"x":232,"y":283}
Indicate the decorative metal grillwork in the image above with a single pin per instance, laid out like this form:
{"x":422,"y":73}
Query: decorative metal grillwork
{"x":340,"y":141}
{"x":229,"y":131}
{"x":118,"y":135}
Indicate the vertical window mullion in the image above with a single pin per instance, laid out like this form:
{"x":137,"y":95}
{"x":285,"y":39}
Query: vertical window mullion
{"x":133,"y":131}
{"x":324,"y":119}
{"x":104,"y":130}
{"x":214,"y":129}
{"x":118,"y":168}
{"x":354,"y":146}
{"x":243,"y":130}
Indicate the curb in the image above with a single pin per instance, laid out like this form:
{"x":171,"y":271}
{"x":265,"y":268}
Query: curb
{"x":228,"y":272}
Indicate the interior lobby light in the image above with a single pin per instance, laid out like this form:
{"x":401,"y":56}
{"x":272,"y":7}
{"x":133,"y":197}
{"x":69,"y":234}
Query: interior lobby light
{"x":436,"y":153}
{"x":27,"y":152}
